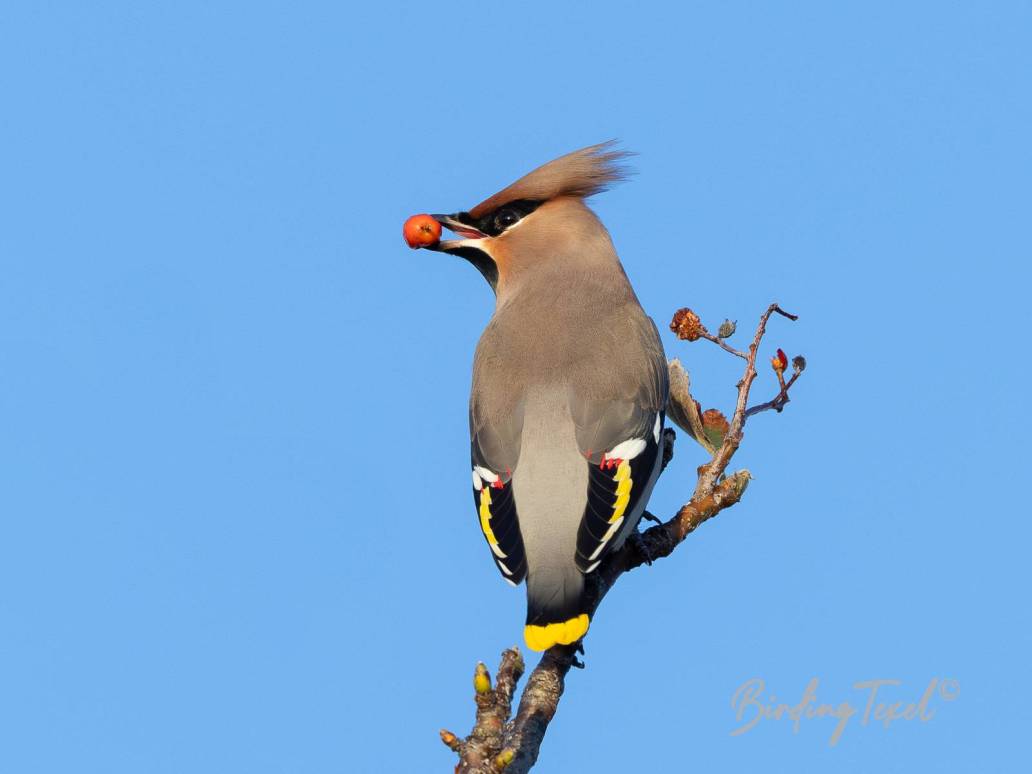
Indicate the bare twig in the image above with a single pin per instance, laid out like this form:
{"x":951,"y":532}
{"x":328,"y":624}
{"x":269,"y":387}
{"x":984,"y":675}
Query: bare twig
{"x":709,"y":473}
{"x":778,"y":403}
{"x":723,"y":344}
{"x":497,"y":743}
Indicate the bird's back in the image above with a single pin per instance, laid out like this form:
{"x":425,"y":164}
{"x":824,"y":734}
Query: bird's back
{"x":560,"y":367}
{"x":569,"y":329}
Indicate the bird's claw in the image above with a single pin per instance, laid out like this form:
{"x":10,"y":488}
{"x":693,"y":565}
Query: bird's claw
{"x":640,"y":548}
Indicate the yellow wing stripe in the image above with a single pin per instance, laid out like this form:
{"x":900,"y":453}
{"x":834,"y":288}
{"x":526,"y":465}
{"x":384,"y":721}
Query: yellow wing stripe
{"x":564,"y":633}
{"x":623,"y":490}
{"x":485,"y":516}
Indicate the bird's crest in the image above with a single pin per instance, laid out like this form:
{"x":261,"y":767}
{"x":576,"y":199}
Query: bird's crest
{"x":583,"y":173}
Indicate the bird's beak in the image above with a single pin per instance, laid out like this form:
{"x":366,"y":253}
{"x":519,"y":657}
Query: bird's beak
{"x":471,"y":247}
{"x":468,"y":233}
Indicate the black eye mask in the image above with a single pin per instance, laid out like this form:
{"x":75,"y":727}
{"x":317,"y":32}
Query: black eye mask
{"x":494,"y":223}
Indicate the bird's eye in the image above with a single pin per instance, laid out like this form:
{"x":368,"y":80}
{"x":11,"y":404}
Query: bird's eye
{"x":506,"y":218}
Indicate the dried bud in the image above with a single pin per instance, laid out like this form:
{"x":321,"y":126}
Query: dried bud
{"x":451,"y":740}
{"x":727,"y":329}
{"x":713,"y":418}
{"x":687,"y":325}
{"x":799,"y":364}
{"x":716,"y":426}
{"x":481,"y":679}
{"x":779,"y":362}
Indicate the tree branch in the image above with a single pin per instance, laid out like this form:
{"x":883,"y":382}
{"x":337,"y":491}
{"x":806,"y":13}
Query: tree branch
{"x":778,"y":404}
{"x":499,"y":744}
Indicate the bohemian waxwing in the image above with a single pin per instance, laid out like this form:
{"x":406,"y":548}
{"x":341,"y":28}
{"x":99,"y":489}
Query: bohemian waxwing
{"x":569,"y":388}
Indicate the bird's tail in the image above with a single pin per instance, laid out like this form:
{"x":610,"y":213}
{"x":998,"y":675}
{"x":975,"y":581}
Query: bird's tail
{"x":556,"y":607}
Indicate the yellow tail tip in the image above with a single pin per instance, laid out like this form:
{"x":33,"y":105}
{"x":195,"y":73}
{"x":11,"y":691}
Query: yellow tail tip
{"x":564,"y":633}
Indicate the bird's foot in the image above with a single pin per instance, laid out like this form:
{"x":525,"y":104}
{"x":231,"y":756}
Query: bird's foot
{"x":642,"y":550}
{"x":669,"y":436}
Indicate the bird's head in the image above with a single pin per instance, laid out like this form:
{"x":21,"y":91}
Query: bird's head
{"x":538,"y":220}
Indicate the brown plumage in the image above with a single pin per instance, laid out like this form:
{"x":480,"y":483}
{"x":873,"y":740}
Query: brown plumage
{"x":583,"y":173}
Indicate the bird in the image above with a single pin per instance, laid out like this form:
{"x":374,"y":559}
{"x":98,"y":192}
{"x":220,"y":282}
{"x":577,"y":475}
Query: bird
{"x":569,"y":388}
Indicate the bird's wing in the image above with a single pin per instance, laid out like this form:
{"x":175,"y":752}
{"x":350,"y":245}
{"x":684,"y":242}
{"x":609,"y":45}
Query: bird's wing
{"x":619,"y":431}
{"x":621,"y":461}
{"x":495,"y":449}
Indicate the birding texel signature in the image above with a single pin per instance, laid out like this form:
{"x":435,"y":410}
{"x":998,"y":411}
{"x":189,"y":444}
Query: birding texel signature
{"x":881,"y":703}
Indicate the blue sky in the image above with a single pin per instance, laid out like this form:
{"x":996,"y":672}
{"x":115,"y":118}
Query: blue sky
{"x":235,"y":525}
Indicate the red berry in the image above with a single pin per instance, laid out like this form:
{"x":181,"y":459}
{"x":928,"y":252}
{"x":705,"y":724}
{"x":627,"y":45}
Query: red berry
{"x":421,"y":231}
